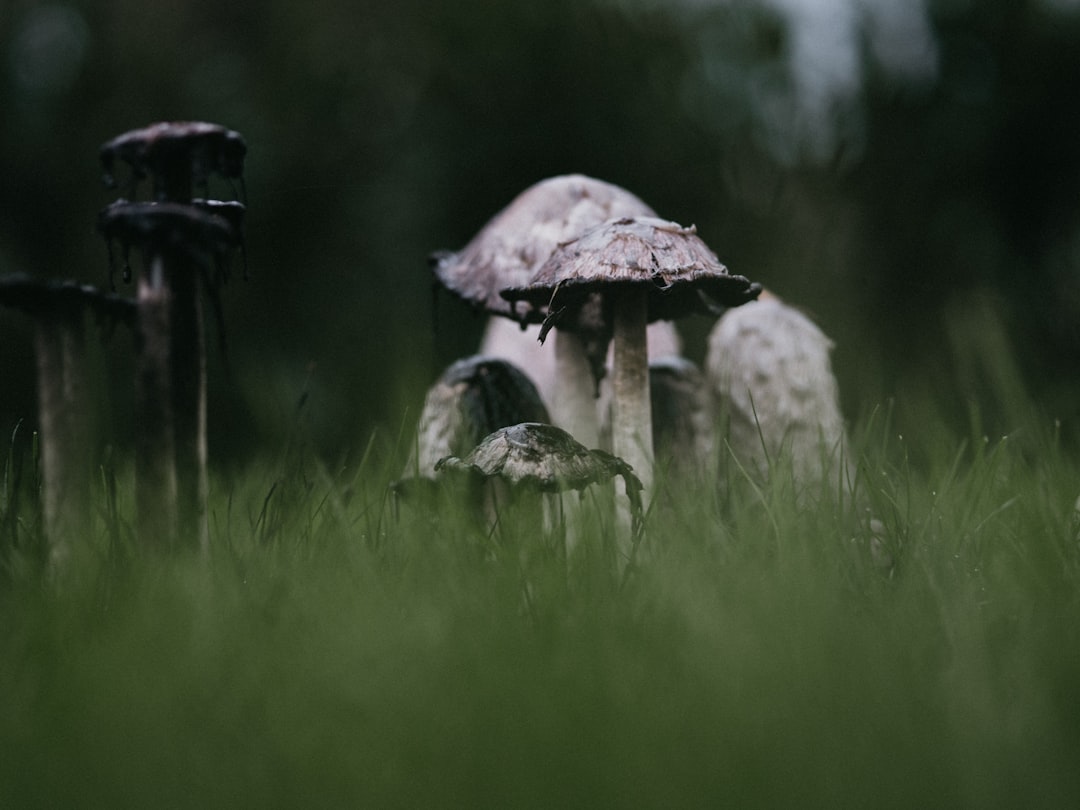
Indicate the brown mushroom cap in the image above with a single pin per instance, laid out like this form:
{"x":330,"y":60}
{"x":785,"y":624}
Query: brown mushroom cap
{"x":670,"y":261}
{"x":520,"y":238}
{"x":542,"y":457}
{"x":63,"y":299}
{"x":201,"y":148}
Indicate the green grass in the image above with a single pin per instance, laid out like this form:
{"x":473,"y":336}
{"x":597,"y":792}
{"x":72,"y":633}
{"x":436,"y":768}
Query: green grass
{"x":333,"y":653}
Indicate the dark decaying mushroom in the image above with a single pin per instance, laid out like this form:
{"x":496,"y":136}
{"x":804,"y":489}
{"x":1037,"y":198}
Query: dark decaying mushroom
{"x":513,"y":245}
{"x":543,"y":458}
{"x":474,"y":397}
{"x":176,"y":155}
{"x":645,"y":269}
{"x":196,"y":234}
{"x":65,"y":416}
{"x":683,"y":418}
{"x":182,"y":241}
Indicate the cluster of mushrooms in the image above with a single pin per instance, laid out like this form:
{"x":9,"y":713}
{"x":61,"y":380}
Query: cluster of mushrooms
{"x":594,"y":263}
{"x":185,"y":240}
{"x":572,"y":255}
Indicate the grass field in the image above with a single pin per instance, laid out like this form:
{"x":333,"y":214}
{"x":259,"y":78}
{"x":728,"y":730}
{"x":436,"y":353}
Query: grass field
{"x":335,"y":651}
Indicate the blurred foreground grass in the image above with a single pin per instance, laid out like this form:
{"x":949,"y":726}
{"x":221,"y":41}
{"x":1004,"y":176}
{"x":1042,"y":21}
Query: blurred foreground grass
{"x":334,"y":652}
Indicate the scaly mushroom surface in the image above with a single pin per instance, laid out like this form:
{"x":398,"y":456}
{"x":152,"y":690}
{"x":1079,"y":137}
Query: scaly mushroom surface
{"x":769,"y":367}
{"x":544,"y":458}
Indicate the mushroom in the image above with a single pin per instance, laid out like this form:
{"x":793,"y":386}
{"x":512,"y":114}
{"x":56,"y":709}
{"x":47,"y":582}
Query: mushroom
{"x":769,"y":367}
{"x":521,"y":346}
{"x":472,"y":398}
{"x":182,"y":240}
{"x":683,"y":417}
{"x":646,"y":269}
{"x":543,"y":458}
{"x":59,"y":310}
{"x":509,"y":249}
{"x":176,"y":155}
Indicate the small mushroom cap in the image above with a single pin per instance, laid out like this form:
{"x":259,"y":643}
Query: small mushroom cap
{"x":519,"y":239}
{"x":173,"y":228}
{"x":671,"y":261}
{"x":542,"y":457}
{"x":62,"y":299}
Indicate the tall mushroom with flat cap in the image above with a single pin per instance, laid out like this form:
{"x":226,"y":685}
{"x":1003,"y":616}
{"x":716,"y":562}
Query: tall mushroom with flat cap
{"x":183,"y":239}
{"x":645,"y":269}
{"x":59,"y":311}
{"x":510,"y":248}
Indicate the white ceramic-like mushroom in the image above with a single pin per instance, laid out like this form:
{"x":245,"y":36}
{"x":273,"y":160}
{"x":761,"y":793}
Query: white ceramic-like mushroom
{"x":769,"y":366}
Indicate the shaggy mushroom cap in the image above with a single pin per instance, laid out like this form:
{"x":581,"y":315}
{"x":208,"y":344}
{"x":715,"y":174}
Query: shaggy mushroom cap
{"x":542,"y":457}
{"x":769,"y":366}
{"x":672,"y":263}
{"x":519,"y":239}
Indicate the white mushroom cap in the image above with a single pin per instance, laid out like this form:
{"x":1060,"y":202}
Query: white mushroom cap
{"x":520,"y":238}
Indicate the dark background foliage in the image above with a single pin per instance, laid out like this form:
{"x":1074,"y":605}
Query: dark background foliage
{"x":908,"y":173}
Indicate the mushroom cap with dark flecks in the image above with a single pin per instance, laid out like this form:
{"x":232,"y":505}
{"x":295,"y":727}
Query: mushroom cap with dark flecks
{"x":542,"y":457}
{"x":677,"y":268}
{"x":519,"y":239}
{"x":208,"y":148}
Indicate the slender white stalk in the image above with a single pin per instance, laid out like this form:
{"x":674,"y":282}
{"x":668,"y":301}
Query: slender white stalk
{"x":574,"y":407}
{"x":155,"y":440}
{"x":631,"y":438}
{"x":65,"y":430}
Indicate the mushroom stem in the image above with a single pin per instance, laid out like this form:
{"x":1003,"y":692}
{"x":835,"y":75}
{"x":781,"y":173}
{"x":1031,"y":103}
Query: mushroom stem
{"x":574,"y":408}
{"x":171,"y":404}
{"x":631,"y":436}
{"x":65,"y":430}
{"x":66,"y":417}
{"x":170,"y":392}
{"x":189,"y":405}
{"x":155,"y":439}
